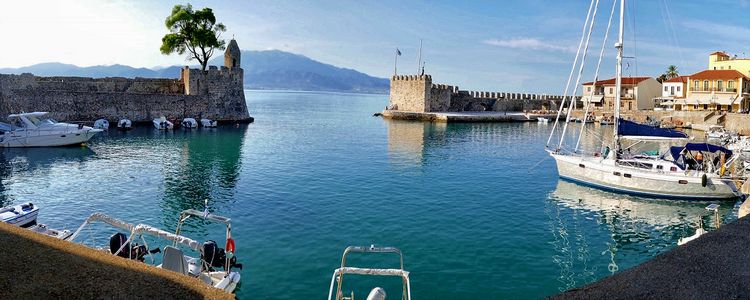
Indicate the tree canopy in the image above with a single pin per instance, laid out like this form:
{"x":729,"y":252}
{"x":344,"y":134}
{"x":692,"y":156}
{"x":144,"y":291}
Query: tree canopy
{"x":193,"y":31}
{"x":669,"y":74}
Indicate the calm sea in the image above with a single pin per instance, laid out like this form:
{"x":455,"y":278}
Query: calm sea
{"x":477,"y":209}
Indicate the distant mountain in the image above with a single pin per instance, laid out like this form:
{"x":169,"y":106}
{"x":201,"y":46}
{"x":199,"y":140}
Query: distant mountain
{"x":271,"y":69}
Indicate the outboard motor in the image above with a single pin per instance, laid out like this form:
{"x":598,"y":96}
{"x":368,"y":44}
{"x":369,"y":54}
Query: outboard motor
{"x":212,"y":255}
{"x":115,"y":243}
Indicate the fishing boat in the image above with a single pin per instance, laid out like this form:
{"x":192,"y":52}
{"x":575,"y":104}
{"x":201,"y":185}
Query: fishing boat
{"x":102,"y":124}
{"x":34,"y":129}
{"x":208,"y":123}
{"x":19,"y":215}
{"x":337,"y":279}
{"x":189,"y":123}
{"x":211,"y":264}
{"x":679,"y":174}
{"x":163,"y":124}
{"x":124,"y":125}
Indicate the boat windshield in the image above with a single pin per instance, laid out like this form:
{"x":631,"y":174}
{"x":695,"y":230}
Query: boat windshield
{"x":38,"y":122}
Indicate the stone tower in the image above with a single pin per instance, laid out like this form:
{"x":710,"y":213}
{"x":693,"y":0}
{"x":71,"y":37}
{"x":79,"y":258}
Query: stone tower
{"x":232,"y":55}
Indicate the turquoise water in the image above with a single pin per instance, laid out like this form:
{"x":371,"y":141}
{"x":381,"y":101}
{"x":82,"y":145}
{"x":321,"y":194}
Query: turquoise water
{"x":477,"y":209}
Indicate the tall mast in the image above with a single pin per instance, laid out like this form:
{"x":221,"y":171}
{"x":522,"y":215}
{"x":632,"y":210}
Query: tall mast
{"x":618,"y":80}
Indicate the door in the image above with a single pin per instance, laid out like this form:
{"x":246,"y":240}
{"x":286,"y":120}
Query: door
{"x":671,"y":90}
{"x":630,"y":105}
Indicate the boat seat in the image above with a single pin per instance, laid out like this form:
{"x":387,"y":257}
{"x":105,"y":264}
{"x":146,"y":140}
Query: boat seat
{"x":174,"y":260}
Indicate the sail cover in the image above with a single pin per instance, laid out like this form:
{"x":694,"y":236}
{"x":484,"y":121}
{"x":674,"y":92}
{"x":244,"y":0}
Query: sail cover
{"x":632,"y":129}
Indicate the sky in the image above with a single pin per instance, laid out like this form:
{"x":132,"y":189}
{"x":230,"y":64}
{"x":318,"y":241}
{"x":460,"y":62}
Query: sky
{"x":513,"y":46}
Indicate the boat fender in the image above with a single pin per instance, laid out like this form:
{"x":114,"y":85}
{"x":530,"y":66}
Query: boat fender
{"x":704,"y":180}
{"x":230,"y":245}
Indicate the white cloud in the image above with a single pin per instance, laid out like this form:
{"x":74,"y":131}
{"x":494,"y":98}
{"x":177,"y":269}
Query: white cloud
{"x":529,"y":44}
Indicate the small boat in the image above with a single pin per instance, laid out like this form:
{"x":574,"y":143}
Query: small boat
{"x":739,"y":144}
{"x":163,"y":124}
{"x":189,"y":123}
{"x":124,"y":125}
{"x":102,"y":124}
{"x":43,"y":229}
{"x":206,"y":266}
{"x":208,"y":123}
{"x":542,"y":120}
{"x":337,"y":278}
{"x":34,"y":129}
{"x":19,"y":215}
{"x":717,"y":132}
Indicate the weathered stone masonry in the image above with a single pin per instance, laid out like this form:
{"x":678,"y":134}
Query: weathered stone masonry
{"x":216,"y":93}
{"x":417,"y":93}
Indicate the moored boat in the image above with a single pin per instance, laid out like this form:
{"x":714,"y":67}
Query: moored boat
{"x":189,"y":123}
{"x":55,"y":233}
{"x":34,"y":129}
{"x":124,"y":125}
{"x":163,"y":124}
{"x":717,"y":132}
{"x":102,"y":124}
{"x":208,"y":123}
{"x":19,"y":215}
{"x":337,"y":279}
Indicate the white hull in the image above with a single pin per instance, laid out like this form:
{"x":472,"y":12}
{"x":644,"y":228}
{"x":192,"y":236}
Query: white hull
{"x":17,"y":216}
{"x":47,"y":139}
{"x":601,"y":173}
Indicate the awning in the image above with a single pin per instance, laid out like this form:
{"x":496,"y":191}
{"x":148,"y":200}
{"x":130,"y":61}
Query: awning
{"x":594,"y":98}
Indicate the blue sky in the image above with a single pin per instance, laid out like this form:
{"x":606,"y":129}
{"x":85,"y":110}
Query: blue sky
{"x":521,"y":46}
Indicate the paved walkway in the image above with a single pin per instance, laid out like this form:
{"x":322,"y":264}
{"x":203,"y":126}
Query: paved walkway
{"x":714,"y":266}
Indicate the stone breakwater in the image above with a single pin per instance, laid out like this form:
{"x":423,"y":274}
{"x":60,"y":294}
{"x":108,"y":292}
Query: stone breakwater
{"x":417,"y":93}
{"x":216,"y":93}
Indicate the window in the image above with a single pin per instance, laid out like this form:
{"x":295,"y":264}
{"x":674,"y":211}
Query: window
{"x":665,"y":88}
{"x":611,"y":90}
{"x":626,"y":175}
{"x":705,"y":106}
{"x":697,"y":85}
{"x":730,"y":84}
{"x":705,"y":85}
{"x":581,"y":165}
{"x":671,"y":90}
{"x":678,"y":88}
{"x":719,"y":85}
{"x":588,"y":89}
{"x":616,"y":173}
{"x":695,"y":106}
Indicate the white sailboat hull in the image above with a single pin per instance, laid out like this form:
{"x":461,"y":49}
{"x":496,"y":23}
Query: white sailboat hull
{"x":605,"y":174}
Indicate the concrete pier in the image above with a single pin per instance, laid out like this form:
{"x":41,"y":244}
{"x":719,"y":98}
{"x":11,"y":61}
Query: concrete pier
{"x":714,"y":266}
{"x":35,"y":266}
{"x":464,"y":116}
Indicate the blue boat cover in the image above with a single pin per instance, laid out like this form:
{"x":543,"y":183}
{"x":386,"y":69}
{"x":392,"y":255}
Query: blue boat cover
{"x":630,"y":128}
{"x":676,"y":150}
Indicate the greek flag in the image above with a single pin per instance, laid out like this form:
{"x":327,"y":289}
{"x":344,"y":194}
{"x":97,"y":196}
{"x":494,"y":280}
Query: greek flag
{"x":398,"y":52}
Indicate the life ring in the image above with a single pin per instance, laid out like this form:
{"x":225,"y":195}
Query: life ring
{"x":704,"y":180}
{"x":230,"y":245}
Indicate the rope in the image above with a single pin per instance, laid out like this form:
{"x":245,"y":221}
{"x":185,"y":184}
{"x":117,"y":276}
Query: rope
{"x":570,"y":76}
{"x":596,"y":74}
{"x":580,"y":73}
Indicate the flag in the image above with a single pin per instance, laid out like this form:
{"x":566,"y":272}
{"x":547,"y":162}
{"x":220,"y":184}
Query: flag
{"x":398,"y":52}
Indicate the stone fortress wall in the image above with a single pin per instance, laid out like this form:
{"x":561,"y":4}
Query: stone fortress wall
{"x":417,"y":93}
{"x":216,"y":93}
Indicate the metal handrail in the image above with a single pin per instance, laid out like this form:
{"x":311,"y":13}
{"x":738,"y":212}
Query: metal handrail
{"x":338,"y":274}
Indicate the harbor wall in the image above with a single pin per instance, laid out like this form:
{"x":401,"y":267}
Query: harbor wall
{"x":216,"y":93}
{"x":417,"y":93}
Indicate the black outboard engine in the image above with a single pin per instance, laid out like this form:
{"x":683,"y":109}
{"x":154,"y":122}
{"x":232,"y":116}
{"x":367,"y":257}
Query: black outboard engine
{"x":212,"y":255}
{"x":115,"y":243}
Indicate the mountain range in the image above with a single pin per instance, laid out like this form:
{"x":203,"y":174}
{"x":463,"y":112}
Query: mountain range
{"x":270,"y":69}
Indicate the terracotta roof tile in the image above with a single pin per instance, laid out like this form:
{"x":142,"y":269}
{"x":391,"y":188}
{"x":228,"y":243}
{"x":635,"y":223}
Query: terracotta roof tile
{"x":717,"y":74}
{"x":682,"y":79}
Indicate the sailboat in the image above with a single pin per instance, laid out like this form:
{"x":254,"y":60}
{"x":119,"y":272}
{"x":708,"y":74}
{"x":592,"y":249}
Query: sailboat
{"x":682,"y":173}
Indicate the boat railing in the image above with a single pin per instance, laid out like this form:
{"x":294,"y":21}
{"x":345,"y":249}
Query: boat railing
{"x":338,"y":274}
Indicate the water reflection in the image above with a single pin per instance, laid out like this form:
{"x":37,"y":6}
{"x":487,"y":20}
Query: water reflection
{"x":207,"y":166}
{"x":597,"y":233}
{"x":408,"y":140}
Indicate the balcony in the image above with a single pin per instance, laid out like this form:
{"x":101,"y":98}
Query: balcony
{"x":708,"y":90}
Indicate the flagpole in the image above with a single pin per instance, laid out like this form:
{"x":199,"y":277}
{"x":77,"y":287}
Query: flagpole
{"x":395,"y":63}
{"x":419,"y":60}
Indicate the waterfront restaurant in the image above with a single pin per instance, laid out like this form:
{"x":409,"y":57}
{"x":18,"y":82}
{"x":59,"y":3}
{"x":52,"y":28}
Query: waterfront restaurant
{"x":637,"y":93}
{"x":723,"y":90}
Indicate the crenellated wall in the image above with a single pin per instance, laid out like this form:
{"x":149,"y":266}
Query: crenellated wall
{"x":417,"y":93}
{"x":216,"y":93}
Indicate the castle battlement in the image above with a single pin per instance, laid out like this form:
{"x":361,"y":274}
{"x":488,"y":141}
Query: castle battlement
{"x":216,"y":93}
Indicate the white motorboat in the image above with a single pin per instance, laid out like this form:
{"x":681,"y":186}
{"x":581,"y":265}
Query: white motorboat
{"x":124,"y":125}
{"x":208,"y":123}
{"x":717,"y":132}
{"x":19,"y":215}
{"x":43,"y":229}
{"x":683,"y":176}
{"x":739,"y":144}
{"x":189,"y":123}
{"x":542,"y":120}
{"x":337,"y":279}
{"x":163,"y":124}
{"x":206,"y":266}
{"x":36,"y":130}
{"x":102,"y":124}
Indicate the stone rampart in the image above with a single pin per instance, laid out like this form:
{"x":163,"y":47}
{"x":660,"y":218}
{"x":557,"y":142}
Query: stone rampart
{"x":417,"y":93}
{"x":216,"y":93}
